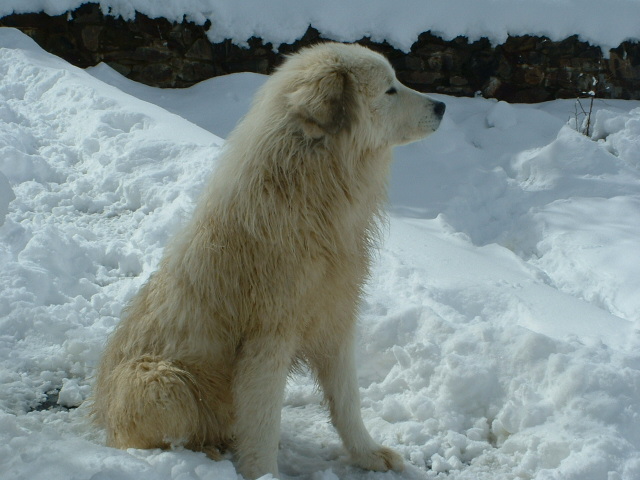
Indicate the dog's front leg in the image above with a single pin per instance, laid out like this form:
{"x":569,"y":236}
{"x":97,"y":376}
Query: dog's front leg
{"x":259,"y":382}
{"x":336,"y":372}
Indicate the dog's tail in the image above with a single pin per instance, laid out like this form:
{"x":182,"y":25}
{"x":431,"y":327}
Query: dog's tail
{"x":148,"y":402}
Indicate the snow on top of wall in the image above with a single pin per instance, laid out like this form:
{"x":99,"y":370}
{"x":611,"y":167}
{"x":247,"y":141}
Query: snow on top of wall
{"x":605,"y":23}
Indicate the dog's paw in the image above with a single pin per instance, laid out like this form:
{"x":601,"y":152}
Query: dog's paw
{"x":212,"y":452}
{"x":381,"y":460}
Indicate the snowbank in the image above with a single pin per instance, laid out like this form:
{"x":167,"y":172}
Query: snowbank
{"x":88,"y":166}
{"x":604,"y":23}
{"x":499,"y":333}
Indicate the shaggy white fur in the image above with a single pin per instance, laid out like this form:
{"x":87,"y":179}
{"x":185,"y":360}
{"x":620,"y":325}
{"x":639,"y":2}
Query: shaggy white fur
{"x":269,"y":271}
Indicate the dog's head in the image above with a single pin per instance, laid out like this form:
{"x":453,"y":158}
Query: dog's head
{"x":334,"y":89}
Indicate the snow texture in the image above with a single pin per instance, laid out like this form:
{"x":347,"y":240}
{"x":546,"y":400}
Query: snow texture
{"x":498,"y":338}
{"x":604,"y":23}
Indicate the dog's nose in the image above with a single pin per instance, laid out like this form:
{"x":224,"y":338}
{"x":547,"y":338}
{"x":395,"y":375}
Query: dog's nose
{"x":439,"y":108}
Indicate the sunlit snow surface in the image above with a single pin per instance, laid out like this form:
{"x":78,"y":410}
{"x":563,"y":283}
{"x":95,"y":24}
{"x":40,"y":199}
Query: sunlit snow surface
{"x":498,"y":338}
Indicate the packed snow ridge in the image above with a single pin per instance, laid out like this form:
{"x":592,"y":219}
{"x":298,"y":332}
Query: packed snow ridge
{"x":603,"y":23}
{"x":498,"y":335}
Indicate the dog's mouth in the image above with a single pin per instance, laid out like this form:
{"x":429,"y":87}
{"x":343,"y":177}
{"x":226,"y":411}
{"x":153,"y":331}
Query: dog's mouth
{"x":425,"y":128}
{"x":430,"y":123}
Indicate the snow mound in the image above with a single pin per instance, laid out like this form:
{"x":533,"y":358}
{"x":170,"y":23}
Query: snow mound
{"x":88,"y":166}
{"x":620,"y":134}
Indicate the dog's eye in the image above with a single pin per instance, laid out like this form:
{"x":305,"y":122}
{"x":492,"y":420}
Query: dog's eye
{"x":391,"y":91}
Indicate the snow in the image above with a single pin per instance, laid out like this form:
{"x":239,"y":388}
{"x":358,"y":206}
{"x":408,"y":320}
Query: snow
{"x":498,"y":338}
{"x":603,"y":23}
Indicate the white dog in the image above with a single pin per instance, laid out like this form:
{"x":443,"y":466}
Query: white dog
{"x":269,"y":271}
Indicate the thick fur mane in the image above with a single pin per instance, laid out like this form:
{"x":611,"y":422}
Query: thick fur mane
{"x":286,"y":182}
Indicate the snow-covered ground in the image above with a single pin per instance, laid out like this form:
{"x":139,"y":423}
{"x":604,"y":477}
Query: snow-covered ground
{"x":499,"y":335}
{"x":604,"y":23}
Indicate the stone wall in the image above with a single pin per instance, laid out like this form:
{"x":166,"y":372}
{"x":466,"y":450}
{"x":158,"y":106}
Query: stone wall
{"x":159,"y":53}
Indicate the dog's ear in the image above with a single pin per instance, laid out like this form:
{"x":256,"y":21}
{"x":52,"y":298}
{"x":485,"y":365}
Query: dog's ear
{"x":324,"y":105}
